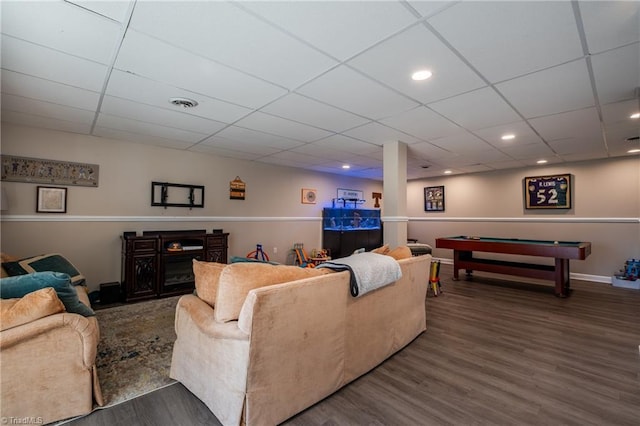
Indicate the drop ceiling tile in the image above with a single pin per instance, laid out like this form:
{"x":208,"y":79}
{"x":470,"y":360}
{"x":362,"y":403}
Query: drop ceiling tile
{"x":31,"y":120}
{"x":31,"y":59}
{"x":428,"y":151}
{"x":279,"y":126}
{"x":342,"y":32}
{"x":143,"y":138}
{"x":523,"y":134}
{"x":344,"y":144}
{"x":225,"y":33}
{"x":242,"y":136}
{"x":258,"y":149}
{"x":423,"y":123}
{"x":530,"y":152}
{"x":502,"y":165}
{"x":223,"y":152}
{"x":293,"y":159}
{"x":610,"y":24}
{"x":619,"y":133}
{"x":582,"y":125}
{"x":378,"y":134}
{"x":148,"y":129}
{"x":463,"y":160}
{"x":351,"y":91}
{"x":46,"y":109}
{"x":475,"y":110}
{"x":318,"y":149}
{"x":617,"y":73}
{"x":44,"y":90}
{"x":584,"y":156}
{"x":154,"y":59}
{"x":413,"y":50}
{"x":163,"y":117}
{"x":431,"y":7}
{"x":62,"y":26}
{"x":620,"y":111}
{"x":117,"y":10}
{"x":309,"y":111}
{"x":361,"y":161}
{"x":507,"y":39}
{"x":575,"y":146}
{"x":463,"y":143}
{"x":563,"y":88}
{"x":475,"y":168}
{"x":143,"y":90}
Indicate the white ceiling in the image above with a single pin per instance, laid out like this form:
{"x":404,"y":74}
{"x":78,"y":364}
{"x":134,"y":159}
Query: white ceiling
{"x":317,"y":84}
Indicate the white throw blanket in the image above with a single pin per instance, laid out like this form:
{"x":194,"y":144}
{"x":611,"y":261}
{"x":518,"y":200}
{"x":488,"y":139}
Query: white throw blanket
{"x":369,"y":271}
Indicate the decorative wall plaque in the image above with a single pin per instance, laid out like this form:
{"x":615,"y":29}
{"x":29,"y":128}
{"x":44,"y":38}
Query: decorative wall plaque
{"x":36,"y":170}
{"x":237,"y":189}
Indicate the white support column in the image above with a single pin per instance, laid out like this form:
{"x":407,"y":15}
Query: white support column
{"x":394,"y":208}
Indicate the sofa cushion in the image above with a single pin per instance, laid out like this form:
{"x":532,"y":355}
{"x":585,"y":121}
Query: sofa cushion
{"x":45,"y":262}
{"x":382,"y":250}
{"x":33,"y":306}
{"x":400,"y":252}
{"x":237,"y":279}
{"x":207,"y":275}
{"x":21,"y":285}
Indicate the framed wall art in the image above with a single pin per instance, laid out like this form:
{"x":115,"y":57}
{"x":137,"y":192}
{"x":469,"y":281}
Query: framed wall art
{"x":547,"y":192}
{"x":51,"y":200}
{"x":37,"y":170}
{"x":309,"y":196}
{"x":434,"y":199}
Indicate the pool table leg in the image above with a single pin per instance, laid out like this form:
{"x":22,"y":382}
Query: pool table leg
{"x":459,"y":255}
{"x":563,"y":285}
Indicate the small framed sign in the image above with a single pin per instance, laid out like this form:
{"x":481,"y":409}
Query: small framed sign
{"x":434,"y":199}
{"x":51,"y":200}
{"x":547,"y":192}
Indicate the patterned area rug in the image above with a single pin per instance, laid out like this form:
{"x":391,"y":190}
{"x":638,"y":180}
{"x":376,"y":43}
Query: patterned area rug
{"x":134,"y":352}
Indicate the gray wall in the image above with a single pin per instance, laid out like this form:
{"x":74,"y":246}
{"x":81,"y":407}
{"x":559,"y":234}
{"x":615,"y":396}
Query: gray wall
{"x":605,"y":211}
{"x":89,"y":233}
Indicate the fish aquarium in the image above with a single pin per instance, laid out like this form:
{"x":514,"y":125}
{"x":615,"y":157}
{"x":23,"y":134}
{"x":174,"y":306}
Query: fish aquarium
{"x":349,"y":219}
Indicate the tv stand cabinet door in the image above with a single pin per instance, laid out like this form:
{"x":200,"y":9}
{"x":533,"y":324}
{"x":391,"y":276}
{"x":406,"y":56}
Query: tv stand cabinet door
{"x":141,"y":269}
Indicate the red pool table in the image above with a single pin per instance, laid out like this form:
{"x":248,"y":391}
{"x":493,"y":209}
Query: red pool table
{"x":562,"y":251}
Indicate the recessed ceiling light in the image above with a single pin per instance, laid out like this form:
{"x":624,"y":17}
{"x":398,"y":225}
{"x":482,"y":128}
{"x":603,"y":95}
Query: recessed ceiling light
{"x":447,"y":172}
{"x":634,"y":151}
{"x":421,"y":75}
{"x":183,"y":102}
{"x":346,"y":166}
{"x":635,"y":115}
{"x":541,"y":161}
{"x":508,"y":137}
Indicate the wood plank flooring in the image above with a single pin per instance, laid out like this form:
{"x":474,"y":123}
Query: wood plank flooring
{"x":495,"y":352}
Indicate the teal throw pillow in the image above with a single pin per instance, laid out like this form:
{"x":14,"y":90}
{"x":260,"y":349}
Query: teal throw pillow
{"x":18,"y":286}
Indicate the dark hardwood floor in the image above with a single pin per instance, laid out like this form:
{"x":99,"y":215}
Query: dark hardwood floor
{"x":495,"y":352}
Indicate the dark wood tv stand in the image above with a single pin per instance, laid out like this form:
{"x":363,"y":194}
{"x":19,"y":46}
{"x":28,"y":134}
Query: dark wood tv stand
{"x":152,"y":267}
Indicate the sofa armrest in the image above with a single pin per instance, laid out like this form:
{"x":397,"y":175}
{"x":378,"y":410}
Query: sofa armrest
{"x":201,"y":314}
{"x":84,"y":328}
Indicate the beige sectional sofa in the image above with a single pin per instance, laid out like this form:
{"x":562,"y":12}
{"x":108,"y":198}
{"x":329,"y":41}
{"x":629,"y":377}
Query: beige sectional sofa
{"x":258,"y":353}
{"x":48,"y":367}
{"x":47,"y":356}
